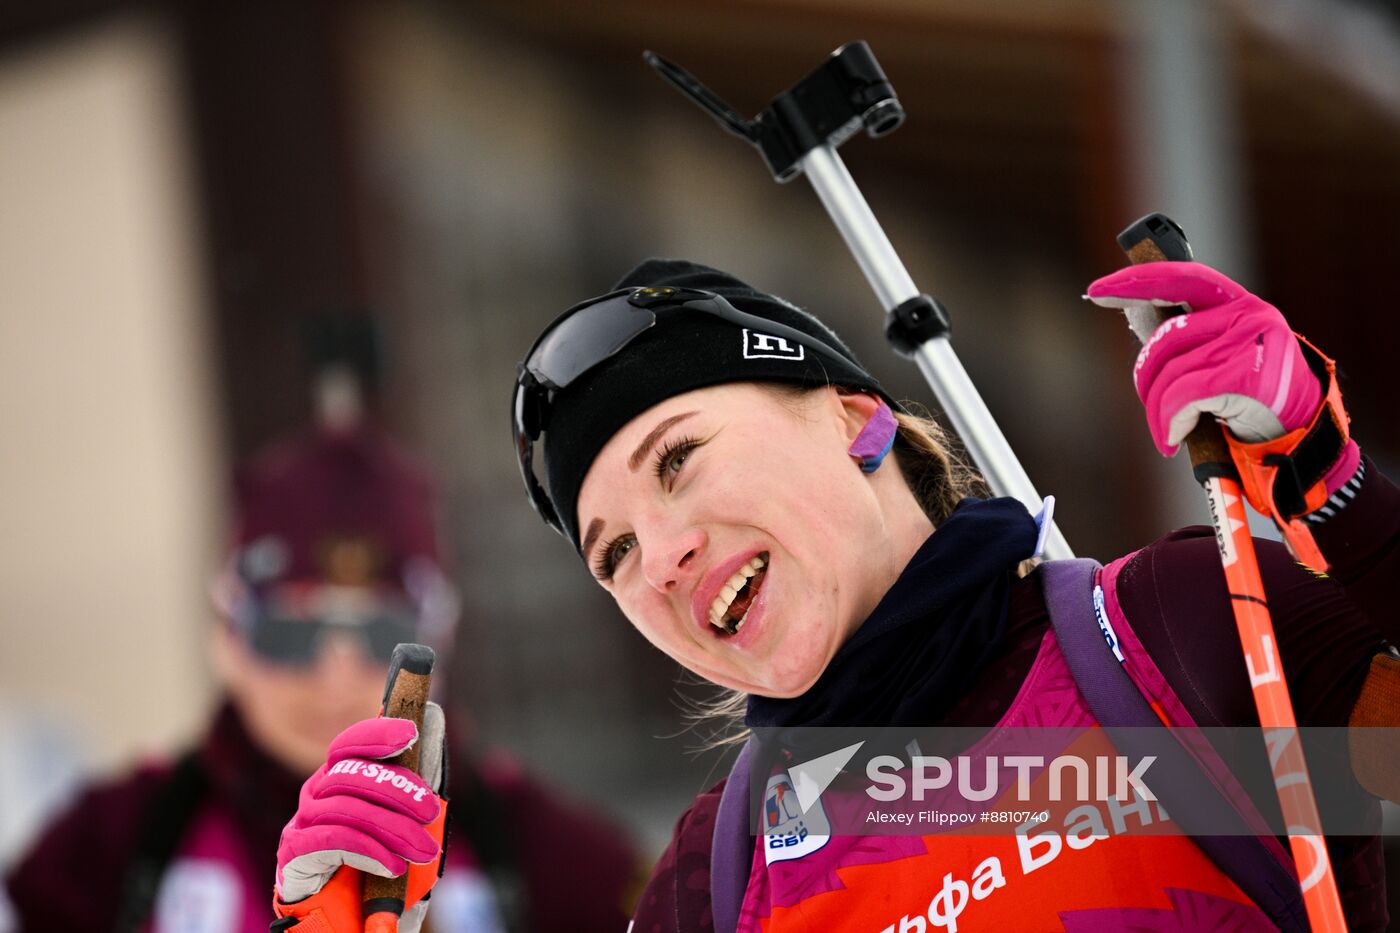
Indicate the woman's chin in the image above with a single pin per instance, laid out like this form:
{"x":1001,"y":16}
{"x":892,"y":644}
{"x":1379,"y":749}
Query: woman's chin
{"x":770,"y":668}
{"x":788,"y":684}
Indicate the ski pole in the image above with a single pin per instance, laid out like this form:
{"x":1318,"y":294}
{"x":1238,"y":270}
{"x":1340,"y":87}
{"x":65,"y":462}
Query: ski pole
{"x":405,"y":695}
{"x":1155,"y":238}
{"x":798,"y":134}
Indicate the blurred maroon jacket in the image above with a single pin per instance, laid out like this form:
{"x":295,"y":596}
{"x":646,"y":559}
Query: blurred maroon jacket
{"x":544,"y":860}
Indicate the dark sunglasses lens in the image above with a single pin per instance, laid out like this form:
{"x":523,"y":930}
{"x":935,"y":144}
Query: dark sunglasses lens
{"x":586,"y":337}
{"x":286,"y":641}
{"x":383,"y":634}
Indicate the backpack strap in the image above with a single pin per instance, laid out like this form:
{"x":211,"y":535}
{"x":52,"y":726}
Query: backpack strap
{"x":480,"y":814}
{"x":166,"y":817}
{"x":731,"y":849}
{"x":1188,"y":793}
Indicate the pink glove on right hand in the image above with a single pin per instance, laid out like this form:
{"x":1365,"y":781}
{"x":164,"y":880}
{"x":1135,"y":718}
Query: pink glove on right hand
{"x":357,"y":811}
{"x":1234,"y":356}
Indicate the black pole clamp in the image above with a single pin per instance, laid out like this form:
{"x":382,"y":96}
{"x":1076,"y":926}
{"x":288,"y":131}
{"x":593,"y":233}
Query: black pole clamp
{"x":915,"y":322}
{"x":849,"y":91}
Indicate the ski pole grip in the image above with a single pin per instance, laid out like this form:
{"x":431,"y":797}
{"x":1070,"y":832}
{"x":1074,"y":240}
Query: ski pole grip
{"x":405,"y":696}
{"x":1158,"y":238}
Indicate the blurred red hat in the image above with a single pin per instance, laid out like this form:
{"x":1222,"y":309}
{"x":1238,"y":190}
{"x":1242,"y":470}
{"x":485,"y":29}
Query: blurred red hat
{"x":344,"y":507}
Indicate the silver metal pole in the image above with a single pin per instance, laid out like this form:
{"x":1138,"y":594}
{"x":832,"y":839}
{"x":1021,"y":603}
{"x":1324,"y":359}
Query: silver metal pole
{"x":936,"y":360}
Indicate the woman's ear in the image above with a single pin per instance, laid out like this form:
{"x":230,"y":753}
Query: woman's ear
{"x":227,"y":655}
{"x":875,"y":438}
{"x":857,"y":409}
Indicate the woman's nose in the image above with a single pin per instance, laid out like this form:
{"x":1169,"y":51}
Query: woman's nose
{"x":340,"y":657}
{"x":672,"y":559}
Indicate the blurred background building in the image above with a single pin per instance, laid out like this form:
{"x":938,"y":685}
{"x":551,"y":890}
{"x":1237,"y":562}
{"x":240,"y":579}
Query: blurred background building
{"x":183,"y":185}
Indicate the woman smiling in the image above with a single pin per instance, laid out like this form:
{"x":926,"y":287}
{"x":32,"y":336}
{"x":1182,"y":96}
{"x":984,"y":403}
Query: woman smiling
{"x":766,"y":514}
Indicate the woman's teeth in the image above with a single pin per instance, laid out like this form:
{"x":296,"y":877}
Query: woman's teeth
{"x":719,"y":609}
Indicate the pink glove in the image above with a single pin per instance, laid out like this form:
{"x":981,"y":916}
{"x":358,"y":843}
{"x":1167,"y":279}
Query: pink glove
{"x":359,"y":812}
{"x":1233,"y":357}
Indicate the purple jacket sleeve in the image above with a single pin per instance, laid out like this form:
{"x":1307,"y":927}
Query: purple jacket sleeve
{"x":676,"y":898}
{"x":1363,"y":544}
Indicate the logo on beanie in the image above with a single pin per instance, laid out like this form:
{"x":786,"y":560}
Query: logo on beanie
{"x":350,"y":560}
{"x":760,"y":346}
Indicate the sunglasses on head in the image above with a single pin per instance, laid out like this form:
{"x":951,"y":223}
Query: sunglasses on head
{"x":592,"y":332}
{"x":297,"y":642}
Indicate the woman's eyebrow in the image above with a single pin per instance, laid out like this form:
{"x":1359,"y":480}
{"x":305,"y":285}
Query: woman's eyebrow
{"x":648,"y":442}
{"x":595,"y":528}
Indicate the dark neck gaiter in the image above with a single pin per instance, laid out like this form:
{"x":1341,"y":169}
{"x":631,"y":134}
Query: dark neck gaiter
{"x":935,"y":630}
{"x":260,"y":790}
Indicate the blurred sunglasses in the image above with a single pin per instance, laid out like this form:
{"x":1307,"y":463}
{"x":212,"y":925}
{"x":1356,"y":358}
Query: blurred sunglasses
{"x":297,"y":642}
{"x":590,"y":333}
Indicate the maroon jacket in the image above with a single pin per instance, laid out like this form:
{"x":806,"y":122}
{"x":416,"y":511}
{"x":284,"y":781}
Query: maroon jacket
{"x":502,"y":824}
{"x":1173,"y":593}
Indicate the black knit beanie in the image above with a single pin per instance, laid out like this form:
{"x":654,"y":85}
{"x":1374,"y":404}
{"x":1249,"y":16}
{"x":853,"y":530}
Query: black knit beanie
{"x":682,"y":352}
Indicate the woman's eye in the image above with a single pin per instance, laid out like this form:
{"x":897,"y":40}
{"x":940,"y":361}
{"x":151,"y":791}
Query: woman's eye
{"x":610,"y":554}
{"x":673,"y":456}
{"x":621,"y":548}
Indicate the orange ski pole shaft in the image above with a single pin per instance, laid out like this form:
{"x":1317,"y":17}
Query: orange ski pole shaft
{"x":1155,"y":238}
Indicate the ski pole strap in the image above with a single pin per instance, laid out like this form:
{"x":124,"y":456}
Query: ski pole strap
{"x":313,"y":924}
{"x":340,"y":905}
{"x":1284,"y":478}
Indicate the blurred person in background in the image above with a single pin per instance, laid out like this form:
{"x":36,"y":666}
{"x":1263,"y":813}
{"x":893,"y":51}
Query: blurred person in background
{"x":335,"y":561}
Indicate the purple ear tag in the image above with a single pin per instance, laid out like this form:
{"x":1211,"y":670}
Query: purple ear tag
{"x":875,"y":440}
